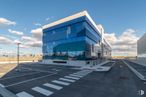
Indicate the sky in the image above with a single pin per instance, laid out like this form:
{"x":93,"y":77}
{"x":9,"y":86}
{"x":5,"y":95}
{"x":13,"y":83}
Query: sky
{"x":124,"y":22}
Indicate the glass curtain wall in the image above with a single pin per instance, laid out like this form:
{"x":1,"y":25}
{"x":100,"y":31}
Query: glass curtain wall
{"x":71,"y":42}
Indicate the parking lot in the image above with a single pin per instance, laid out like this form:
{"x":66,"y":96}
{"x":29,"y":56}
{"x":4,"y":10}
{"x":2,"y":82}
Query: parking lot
{"x":27,"y":77}
{"x":41,"y":80}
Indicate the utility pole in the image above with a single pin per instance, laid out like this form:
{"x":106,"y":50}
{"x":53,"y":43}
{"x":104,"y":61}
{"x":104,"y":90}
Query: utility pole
{"x":18,"y":44}
{"x":102,"y":44}
{"x":102,"y":49}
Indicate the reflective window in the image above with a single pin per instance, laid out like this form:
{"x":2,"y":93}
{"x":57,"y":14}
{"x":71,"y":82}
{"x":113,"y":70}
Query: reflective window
{"x":73,"y":42}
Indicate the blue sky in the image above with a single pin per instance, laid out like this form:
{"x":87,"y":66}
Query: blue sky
{"x":116,"y":16}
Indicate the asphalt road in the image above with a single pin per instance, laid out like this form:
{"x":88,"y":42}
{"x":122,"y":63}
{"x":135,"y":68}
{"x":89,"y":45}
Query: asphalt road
{"x":140,"y":68}
{"x":120,"y":81}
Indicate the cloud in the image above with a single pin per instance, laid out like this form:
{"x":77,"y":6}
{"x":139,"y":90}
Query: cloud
{"x":18,"y":33}
{"x":27,"y":38}
{"x":37,"y":24}
{"x":5,"y":22}
{"x":17,"y":41}
{"x":34,"y":44}
{"x":30,"y":42}
{"x":124,"y":44}
{"x":37,"y":33}
{"x":4,"y":40}
{"x":33,"y":41}
{"x":26,"y":41}
{"x":47,"y":19}
{"x":110,"y":37}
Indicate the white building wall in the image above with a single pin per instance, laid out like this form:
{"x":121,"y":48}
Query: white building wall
{"x":68,"y":62}
{"x":106,"y":46}
{"x":141,"y":46}
{"x":141,"y":50}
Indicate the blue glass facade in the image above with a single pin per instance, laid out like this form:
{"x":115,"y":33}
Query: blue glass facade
{"x":71,"y":40}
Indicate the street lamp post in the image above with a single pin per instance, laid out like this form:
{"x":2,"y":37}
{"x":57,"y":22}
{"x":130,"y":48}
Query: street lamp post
{"x":18,"y":44}
{"x":102,"y":52}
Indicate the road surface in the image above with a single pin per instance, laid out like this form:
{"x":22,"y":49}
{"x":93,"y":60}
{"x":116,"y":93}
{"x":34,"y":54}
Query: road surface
{"x":39,"y":80}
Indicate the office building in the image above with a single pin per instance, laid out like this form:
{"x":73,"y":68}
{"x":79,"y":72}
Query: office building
{"x":74,"y":40}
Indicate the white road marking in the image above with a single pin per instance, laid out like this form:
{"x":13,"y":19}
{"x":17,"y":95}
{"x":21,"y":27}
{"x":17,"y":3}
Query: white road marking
{"x":42,"y":91}
{"x":76,"y":78}
{"x":30,"y":80}
{"x":1,"y":85}
{"x":24,"y":94}
{"x":78,"y":73}
{"x":61,"y":82}
{"x":83,"y":73}
{"x":75,"y":75}
{"x":64,"y":79}
{"x":138,"y":74}
{"x":18,"y":76}
{"x":53,"y":86}
{"x":38,"y":70}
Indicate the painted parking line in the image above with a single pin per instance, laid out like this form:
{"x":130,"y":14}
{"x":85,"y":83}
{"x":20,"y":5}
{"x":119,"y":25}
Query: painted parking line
{"x":24,"y":94}
{"x":71,"y":77}
{"x":42,"y":91}
{"x":53,"y":86}
{"x":18,"y":76}
{"x":68,"y":80}
{"x":60,"y":82}
{"x":1,"y":85}
{"x":38,"y":70}
{"x":30,"y":80}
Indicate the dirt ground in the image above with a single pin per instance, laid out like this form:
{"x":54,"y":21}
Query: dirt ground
{"x":5,"y":68}
{"x":26,"y":58}
{"x":9,"y":65}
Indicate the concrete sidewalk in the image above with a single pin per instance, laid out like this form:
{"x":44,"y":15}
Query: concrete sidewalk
{"x":100,"y":67}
